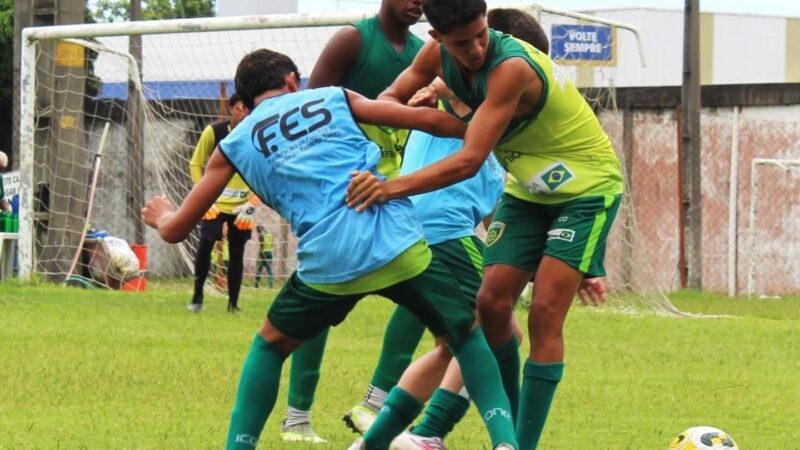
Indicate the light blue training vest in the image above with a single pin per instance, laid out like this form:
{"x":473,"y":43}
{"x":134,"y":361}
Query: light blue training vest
{"x":296,"y":152}
{"x":455,"y":211}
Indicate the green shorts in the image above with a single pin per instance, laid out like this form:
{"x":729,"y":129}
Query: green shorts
{"x":434,"y":296}
{"x":574,"y":232}
{"x":464,"y":258}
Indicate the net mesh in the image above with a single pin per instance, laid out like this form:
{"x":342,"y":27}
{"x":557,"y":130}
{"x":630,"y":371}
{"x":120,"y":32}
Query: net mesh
{"x":773,"y":247}
{"x":186,"y":77}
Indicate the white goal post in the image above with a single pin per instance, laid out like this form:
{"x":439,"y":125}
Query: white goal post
{"x":35,"y":60}
{"x":752,"y":262}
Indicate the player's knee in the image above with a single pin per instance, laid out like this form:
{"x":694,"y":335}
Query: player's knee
{"x":278,"y":339}
{"x":545,"y":317}
{"x":441,"y":351}
{"x":491,"y":307}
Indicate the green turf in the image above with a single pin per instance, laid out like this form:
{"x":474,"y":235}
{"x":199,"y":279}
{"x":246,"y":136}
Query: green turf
{"x":100,"y":370}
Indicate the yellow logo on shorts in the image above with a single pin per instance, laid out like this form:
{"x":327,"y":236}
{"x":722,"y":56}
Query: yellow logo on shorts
{"x":494,"y":232}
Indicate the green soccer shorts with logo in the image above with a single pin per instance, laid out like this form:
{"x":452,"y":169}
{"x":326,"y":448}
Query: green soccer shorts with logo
{"x":574,"y":232}
{"x":434,"y":296}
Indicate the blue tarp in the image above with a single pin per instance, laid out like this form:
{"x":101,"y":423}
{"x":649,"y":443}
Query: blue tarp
{"x":170,"y":90}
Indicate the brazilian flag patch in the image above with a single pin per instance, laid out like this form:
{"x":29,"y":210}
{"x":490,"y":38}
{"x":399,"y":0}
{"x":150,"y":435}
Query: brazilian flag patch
{"x":556,"y":175}
{"x":494,"y":232}
{"x":549,"y":179}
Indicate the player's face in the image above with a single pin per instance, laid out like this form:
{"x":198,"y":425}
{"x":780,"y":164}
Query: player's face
{"x":467,"y":44}
{"x":406,"y":11}
{"x":238,"y":112}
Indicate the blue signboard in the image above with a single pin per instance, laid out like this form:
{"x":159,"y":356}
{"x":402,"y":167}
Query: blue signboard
{"x":583,"y":43}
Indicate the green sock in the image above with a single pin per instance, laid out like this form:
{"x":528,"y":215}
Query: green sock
{"x":484,"y":385}
{"x":400,"y":340}
{"x":258,"y":388}
{"x":538,"y":388}
{"x":507,"y":357}
{"x":397,"y":413}
{"x":304,"y":374}
{"x":444,"y":411}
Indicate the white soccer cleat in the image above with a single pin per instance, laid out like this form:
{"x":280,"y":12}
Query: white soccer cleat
{"x":410,"y":441}
{"x":360,"y":417}
{"x":504,"y":447}
{"x":358,"y":444}
{"x":301,"y":432}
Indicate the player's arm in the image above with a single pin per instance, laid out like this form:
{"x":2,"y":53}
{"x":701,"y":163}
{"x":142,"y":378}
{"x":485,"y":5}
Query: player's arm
{"x":336,"y":59}
{"x":487,"y":125}
{"x":429,"y":120}
{"x":174,"y":225}
{"x":202,"y":151}
{"x":422,"y":71}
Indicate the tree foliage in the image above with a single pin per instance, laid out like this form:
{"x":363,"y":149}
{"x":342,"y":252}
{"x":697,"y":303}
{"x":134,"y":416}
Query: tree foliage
{"x":6,"y":48}
{"x":117,"y":10}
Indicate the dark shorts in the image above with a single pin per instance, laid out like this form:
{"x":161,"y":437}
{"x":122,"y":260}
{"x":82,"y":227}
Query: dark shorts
{"x":434,"y":296}
{"x":464,"y":258}
{"x":212,"y":230}
{"x":575,"y":232}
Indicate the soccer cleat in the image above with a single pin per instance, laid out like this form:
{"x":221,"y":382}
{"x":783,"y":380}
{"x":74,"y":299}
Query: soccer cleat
{"x":410,"y":441}
{"x":360,"y":417}
{"x":504,"y":447}
{"x":358,"y":444}
{"x":194,"y":307}
{"x":301,"y":432}
{"x":233,"y":308}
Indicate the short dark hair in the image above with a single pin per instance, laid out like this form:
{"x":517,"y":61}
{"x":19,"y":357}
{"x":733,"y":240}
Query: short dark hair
{"x":521,"y":25}
{"x":260,"y":71}
{"x":444,"y":15}
{"x":234,"y":99}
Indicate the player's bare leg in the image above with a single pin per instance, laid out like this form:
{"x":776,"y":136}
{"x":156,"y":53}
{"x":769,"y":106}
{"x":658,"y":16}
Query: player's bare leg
{"x":501,"y":287}
{"x":555,"y":286}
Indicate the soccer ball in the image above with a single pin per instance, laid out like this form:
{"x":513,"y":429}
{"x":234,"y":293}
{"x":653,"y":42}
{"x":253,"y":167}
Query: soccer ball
{"x":703,"y":438}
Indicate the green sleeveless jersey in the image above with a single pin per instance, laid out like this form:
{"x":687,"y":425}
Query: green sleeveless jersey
{"x":375,"y":68}
{"x":559,"y":152}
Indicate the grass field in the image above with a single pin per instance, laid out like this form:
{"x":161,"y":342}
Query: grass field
{"x":101,"y":370}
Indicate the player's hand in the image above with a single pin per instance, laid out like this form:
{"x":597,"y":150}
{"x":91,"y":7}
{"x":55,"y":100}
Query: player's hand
{"x":155,"y":209}
{"x":245,"y":216}
{"x":592,"y":291}
{"x":424,"y":97}
{"x":212,"y":213}
{"x":364,"y":190}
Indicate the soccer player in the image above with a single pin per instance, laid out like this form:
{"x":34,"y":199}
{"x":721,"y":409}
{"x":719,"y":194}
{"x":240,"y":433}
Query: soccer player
{"x":296,"y":149}
{"x":555,"y":225}
{"x":264,"y":254}
{"x":233,"y":207}
{"x":365,"y":58}
{"x":4,"y":204}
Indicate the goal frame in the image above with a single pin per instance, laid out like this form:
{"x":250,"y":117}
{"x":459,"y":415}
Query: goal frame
{"x":754,"y":182}
{"x":32,"y":35}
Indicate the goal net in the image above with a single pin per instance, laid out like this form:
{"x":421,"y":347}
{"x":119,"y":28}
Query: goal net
{"x":774,"y":219}
{"x":76,"y":79}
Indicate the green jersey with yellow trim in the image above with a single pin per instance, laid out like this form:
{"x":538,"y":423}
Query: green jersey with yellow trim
{"x":377,"y":65}
{"x":557,"y":153}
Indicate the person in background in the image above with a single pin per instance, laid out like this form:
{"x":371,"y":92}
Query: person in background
{"x":4,"y":204}
{"x":235,"y":207}
{"x":264,"y":254}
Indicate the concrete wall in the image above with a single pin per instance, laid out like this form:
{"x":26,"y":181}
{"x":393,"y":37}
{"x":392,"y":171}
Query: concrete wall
{"x":764,"y":132}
